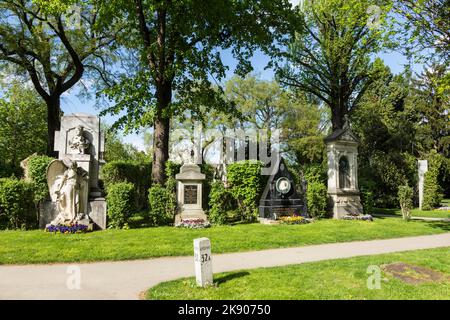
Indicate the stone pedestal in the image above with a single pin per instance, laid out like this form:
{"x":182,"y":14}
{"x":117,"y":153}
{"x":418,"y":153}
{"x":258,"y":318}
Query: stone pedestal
{"x":189,"y":193}
{"x":422,"y":169}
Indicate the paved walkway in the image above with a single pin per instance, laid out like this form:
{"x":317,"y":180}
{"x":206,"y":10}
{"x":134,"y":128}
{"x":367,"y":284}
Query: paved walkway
{"x":412,"y":218}
{"x":127,"y":279}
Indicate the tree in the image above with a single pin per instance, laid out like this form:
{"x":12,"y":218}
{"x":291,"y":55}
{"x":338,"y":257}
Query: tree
{"x":176,"y":46}
{"x":117,"y":150}
{"x":330,"y":57}
{"x":39,"y":42}
{"x":22,"y":124}
{"x":428,"y":23}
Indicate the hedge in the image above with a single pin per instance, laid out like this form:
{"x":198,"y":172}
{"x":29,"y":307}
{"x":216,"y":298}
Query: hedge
{"x":316,"y":197}
{"x":245,"y":183}
{"x":137,"y":173}
{"x":121,"y":204}
{"x":17,"y":208}
{"x":161,"y":210}
{"x":432,"y":191}
{"x":37,"y":171}
{"x":220,"y":201}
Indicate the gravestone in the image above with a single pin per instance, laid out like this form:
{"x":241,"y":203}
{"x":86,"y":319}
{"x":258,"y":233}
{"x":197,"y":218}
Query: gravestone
{"x":342,"y":154}
{"x":189,"y":193}
{"x":202,"y":262}
{"x":281,"y":196}
{"x":422,"y":169}
{"x":80,"y":146}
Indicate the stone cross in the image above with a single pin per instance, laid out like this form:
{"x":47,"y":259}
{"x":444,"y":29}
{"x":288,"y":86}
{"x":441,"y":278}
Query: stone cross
{"x":422,"y":168}
{"x":202,"y":261}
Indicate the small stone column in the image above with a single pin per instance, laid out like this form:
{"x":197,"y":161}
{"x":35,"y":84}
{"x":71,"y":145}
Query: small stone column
{"x":422,"y":168}
{"x":202,"y":261}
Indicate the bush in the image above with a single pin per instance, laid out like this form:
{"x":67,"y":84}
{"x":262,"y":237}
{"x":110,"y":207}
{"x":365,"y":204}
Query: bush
{"x":245,"y":182}
{"x":220,"y":200}
{"x":160,"y":205}
{"x":405,"y":195}
{"x":367,"y":201}
{"x":37,"y":171}
{"x":121,"y":204}
{"x":17,"y":208}
{"x":7,"y":171}
{"x":316,"y":197}
{"x":137,"y":173}
{"x":432,"y":192}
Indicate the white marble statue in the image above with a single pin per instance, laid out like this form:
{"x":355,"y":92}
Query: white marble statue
{"x":68,"y":186}
{"x":79,"y":143}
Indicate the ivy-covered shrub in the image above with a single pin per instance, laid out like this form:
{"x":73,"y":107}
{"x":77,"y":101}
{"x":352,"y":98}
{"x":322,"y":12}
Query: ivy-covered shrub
{"x":314,"y":173}
{"x":37,"y":171}
{"x":220,"y":201}
{"x":316,"y":197}
{"x":208,"y":171}
{"x":405,"y":196}
{"x":160,"y":206}
{"x":245,"y":184}
{"x":121,"y":204}
{"x":17,"y":208}
{"x":432,"y":191}
{"x":367,"y":201}
{"x":137,"y":173}
{"x":7,"y":171}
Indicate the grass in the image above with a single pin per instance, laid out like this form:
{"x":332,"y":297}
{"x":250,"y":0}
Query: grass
{"x":417,"y":213}
{"x":28,"y":247}
{"x":332,"y":279}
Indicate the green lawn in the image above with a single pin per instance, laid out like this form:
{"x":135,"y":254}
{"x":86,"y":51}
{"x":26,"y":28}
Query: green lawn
{"x":332,"y":279}
{"x":24,"y":247}
{"x":417,"y":213}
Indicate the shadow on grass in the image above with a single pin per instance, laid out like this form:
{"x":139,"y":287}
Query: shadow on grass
{"x":231,"y":276}
{"x":440,"y":225}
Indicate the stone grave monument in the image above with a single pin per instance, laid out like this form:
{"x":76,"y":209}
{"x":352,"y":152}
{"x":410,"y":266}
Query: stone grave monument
{"x":73,"y":178}
{"x":342,"y":153}
{"x":281,"y":196}
{"x":189,"y":193}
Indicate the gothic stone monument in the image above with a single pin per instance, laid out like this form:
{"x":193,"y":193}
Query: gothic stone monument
{"x":189,"y":193}
{"x":281,"y":197}
{"x":342,"y":153}
{"x":73,"y":177}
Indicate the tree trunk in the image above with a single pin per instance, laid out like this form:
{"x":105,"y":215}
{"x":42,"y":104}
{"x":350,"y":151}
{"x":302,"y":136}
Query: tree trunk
{"x":161,"y":134}
{"x":336,"y":117}
{"x":53,"y":124}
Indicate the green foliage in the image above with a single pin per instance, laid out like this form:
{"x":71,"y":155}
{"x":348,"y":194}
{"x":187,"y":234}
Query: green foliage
{"x":314,"y":172}
{"x":245,"y":184}
{"x":172,"y":169}
{"x":432,"y":191}
{"x":220,"y":202}
{"x":160,"y":205}
{"x":405,"y":195}
{"x":17,"y":209}
{"x":317,"y":199}
{"x":23,"y":126}
{"x":137,"y":173}
{"x":121,"y":204}
{"x":37,"y":171}
{"x":367,"y":201}
{"x":330,"y":53}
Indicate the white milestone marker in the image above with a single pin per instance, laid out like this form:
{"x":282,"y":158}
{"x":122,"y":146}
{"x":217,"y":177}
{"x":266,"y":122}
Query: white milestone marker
{"x":202,"y":261}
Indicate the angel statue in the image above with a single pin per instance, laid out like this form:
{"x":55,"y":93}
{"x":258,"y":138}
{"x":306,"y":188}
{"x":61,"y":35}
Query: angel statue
{"x":68,"y":186}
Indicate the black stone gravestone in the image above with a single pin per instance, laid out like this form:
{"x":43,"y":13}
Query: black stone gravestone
{"x":281,"y":196}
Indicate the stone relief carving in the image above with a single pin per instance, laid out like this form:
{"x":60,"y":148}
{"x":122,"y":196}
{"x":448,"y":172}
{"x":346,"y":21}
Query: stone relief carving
{"x":79,"y":143}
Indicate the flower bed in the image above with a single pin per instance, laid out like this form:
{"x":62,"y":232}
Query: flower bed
{"x":294,"y":220}
{"x":66,"y":229}
{"x":193,"y":224}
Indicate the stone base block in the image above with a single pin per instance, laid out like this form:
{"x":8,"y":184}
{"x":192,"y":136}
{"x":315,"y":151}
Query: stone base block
{"x":195,"y":214}
{"x":97,"y":213}
{"x":344,"y":204}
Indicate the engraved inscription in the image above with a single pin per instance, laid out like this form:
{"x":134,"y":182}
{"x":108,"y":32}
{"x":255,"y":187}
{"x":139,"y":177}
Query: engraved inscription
{"x":190,"y":194}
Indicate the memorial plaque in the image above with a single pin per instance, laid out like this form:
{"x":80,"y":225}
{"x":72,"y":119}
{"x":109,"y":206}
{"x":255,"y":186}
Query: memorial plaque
{"x":190,"y":194}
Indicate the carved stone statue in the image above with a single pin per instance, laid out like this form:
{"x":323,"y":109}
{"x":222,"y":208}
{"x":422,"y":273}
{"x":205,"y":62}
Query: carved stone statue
{"x":79,"y":143}
{"x":68,"y":185}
